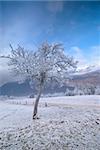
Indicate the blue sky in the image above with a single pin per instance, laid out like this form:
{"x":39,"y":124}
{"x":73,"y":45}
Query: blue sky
{"x":76,"y":24}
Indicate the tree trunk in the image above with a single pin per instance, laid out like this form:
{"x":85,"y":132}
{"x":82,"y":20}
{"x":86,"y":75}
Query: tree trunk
{"x":36,"y":103}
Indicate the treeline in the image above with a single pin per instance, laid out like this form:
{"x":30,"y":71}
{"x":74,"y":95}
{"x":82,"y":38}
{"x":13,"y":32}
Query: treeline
{"x":83,"y":90}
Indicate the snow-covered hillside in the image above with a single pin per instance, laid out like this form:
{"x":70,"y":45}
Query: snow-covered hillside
{"x":63,"y":125}
{"x":88,"y":69}
{"x":83,"y":79}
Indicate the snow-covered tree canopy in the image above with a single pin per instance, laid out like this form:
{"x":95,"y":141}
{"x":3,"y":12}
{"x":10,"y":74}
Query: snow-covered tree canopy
{"x":47,"y":63}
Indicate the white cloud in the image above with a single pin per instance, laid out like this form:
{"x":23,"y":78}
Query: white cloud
{"x":6,"y":74}
{"x":90,"y":59}
{"x":19,"y":30}
{"x":95,"y":57}
{"x":77,"y":53}
{"x":12,"y":35}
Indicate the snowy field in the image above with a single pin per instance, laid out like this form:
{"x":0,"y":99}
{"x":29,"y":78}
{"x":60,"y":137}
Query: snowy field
{"x":67,"y":123}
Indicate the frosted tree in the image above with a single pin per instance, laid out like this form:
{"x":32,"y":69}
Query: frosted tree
{"x":48,"y":63}
{"x":89,"y":89}
{"x":97,"y":90}
{"x":69,"y":91}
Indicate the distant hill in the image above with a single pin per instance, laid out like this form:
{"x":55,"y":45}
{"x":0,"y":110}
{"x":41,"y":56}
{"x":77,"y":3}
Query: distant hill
{"x":15,"y":89}
{"x":92,"y":77}
{"x":22,"y":89}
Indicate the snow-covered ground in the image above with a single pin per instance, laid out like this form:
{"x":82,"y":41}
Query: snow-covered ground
{"x":67,"y":123}
{"x":84,"y":100}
